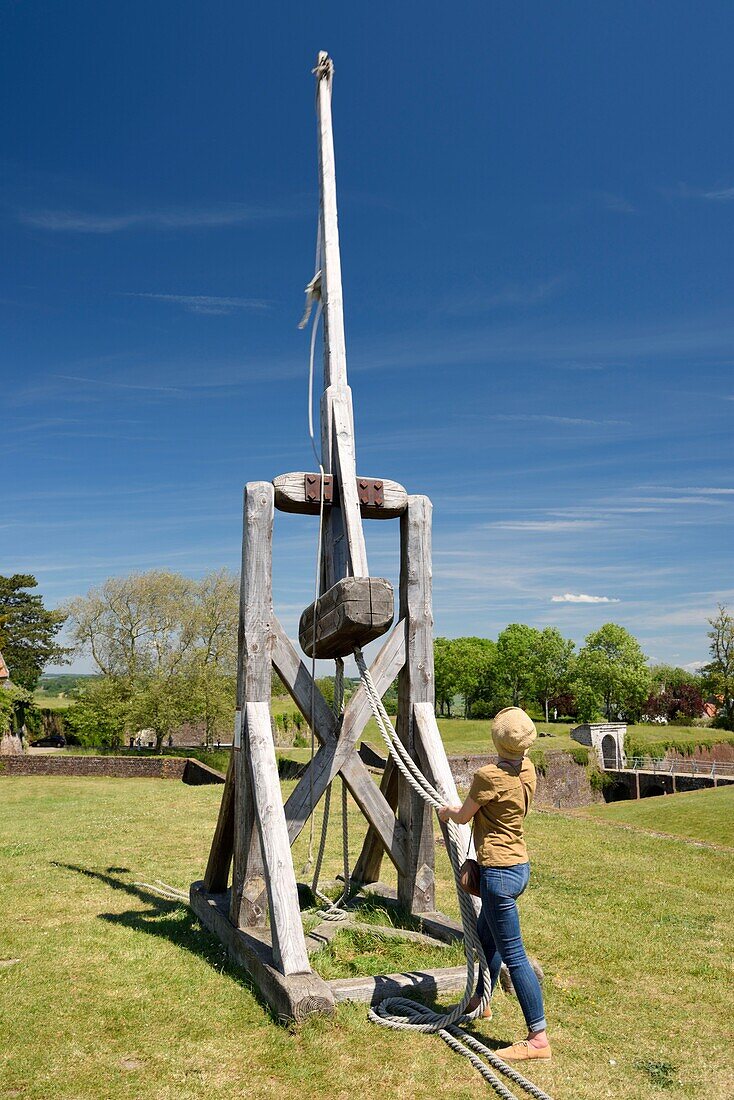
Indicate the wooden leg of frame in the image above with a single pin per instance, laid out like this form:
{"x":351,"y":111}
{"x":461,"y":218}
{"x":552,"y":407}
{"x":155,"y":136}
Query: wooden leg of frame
{"x":216,"y":875}
{"x":367,"y":867}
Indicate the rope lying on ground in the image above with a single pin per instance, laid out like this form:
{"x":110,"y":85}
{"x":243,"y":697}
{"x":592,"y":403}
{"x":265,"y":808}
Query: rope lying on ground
{"x":401,"y":1013}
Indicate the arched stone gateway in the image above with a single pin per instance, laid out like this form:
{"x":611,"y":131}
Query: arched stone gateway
{"x":610,"y":751}
{"x":607,"y":738}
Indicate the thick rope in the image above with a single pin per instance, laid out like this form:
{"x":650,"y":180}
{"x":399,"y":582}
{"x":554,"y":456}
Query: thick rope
{"x":403,"y":1014}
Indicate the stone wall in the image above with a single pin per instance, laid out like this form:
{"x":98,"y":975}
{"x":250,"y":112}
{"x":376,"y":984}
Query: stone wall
{"x":565,"y":783}
{"x":112,"y":767}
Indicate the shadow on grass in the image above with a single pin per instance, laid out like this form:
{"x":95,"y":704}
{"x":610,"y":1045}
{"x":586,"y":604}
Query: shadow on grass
{"x":175,"y":922}
{"x":170,"y":920}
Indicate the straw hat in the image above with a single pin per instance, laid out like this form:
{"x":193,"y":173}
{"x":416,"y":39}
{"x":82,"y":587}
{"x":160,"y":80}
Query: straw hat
{"x":513,"y":732}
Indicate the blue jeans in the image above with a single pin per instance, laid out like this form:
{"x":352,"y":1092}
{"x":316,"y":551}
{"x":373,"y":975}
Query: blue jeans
{"x":499,"y":934}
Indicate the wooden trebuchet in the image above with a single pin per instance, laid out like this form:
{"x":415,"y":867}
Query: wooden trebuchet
{"x":300,"y":493}
{"x":255,"y":830}
{"x":354,"y":611}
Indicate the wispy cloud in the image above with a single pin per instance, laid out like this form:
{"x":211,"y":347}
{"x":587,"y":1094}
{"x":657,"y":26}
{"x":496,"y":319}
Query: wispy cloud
{"x":617,"y":203}
{"x":106,"y":384}
{"x":581,"y":597}
{"x":171,"y":218}
{"x":511,"y":295}
{"x":703,"y":490}
{"x":543,"y":524}
{"x":206,"y":303}
{"x":543,"y":418}
{"x":709,"y":194}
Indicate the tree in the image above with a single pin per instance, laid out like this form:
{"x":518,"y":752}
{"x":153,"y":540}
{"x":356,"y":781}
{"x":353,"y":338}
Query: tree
{"x":517,"y":646}
{"x":28,"y":630}
{"x":100,"y":716}
{"x":170,"y":645}
{"x":719,"y":672}
{"x":214,"y":652}
{"x":138,"y":625}
{"x":551,"y":665}
{"x":444,"y":675}
{"x":474,"y":660}
{"x":611,"y":669}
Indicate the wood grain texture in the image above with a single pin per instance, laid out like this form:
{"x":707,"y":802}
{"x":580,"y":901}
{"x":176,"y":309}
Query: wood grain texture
{"x":345,"y":469}
{"x":297,"y":680}
{"x":331,"y":757}
{"x":353,"y":612}
{"x":416,"y":889}
{"x":290,"y":496}
{"x":253,"y":683}
{"x":216,"y":875}
{"x":367,"y":867}
{"x":292,"y":997}
{"x":372,"y":990}
{"x":289,"y":948}
{"x":435,"y":766}
{"x":335,"y":353}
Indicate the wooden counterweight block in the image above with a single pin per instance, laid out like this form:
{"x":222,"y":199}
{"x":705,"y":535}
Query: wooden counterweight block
{"x":353,"y":612}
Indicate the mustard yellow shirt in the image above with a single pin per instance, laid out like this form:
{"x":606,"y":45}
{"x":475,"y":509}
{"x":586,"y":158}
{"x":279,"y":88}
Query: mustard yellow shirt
{"x":504,"y":793}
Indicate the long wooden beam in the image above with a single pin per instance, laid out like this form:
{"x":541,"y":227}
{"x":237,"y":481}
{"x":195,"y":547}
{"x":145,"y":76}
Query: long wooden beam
{"x":303,"y":691}
{"x":254,"y":672}
{"x":378,"y":811}
{"x":289,"y":946}
{"x":291,"y":495}
{"x":220,"y":854}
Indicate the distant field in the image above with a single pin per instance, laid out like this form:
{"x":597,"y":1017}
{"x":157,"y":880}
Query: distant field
{"x":700,"y":815}
{"x":51,"y":702}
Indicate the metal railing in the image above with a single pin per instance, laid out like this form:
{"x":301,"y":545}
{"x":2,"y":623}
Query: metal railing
{"x":682,"y":765}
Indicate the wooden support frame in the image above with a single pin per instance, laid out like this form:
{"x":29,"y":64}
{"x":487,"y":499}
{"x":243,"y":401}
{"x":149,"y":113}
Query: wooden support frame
{"x":255,"y":829}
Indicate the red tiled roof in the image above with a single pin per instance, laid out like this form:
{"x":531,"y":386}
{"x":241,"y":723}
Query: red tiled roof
{"x":4,"y":674}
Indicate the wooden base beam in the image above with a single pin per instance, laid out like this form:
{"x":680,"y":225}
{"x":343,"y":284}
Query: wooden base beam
{"x":292,"y":996}
{"x":426,"y":983}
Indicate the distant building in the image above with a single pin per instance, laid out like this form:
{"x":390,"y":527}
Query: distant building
{"x":4,"y":674}
{"x":607,"y":739}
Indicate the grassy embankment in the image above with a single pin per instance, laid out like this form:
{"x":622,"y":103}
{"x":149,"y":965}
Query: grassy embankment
{"x":119,"y":994}
{"x":706,"y":815}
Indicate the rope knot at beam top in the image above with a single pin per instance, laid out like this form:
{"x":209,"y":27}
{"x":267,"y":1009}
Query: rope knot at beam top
{"x":324,"y":67}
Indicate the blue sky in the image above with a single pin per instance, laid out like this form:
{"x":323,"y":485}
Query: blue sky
{"x":536,"y":212}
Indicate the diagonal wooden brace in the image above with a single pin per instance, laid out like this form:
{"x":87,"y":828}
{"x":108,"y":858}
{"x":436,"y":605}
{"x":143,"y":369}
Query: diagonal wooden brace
{"x":340,"y":756}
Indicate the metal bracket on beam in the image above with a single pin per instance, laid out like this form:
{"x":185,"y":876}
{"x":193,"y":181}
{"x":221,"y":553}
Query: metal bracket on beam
{"x":313,"y":488}
{"x":371,"y":492}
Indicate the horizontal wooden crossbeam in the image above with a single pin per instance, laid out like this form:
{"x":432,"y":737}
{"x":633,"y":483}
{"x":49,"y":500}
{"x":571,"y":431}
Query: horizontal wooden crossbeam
{"x":295,"y":493}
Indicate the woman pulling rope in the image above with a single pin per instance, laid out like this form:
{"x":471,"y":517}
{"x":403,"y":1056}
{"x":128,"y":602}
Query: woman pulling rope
{"x":497,"y":803}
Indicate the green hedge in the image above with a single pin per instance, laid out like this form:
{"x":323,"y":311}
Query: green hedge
{"x":656,"y":750}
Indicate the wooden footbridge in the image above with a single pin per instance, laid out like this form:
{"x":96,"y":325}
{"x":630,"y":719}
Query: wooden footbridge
{"x":646,"y":777}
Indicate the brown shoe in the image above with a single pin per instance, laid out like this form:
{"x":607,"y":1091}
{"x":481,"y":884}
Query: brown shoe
{"x":522,"y":1052}
{"x":474,"y":1003}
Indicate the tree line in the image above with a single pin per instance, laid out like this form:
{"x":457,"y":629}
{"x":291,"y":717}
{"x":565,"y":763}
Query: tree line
{"x":165,"y":647}
{"x":608,"y":677}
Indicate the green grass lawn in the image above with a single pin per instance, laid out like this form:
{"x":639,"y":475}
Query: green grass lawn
{"x":701,"y":815}
{"x":120,"y":995}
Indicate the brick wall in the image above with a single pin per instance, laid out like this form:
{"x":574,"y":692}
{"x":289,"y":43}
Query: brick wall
{"x":119,"y":767}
